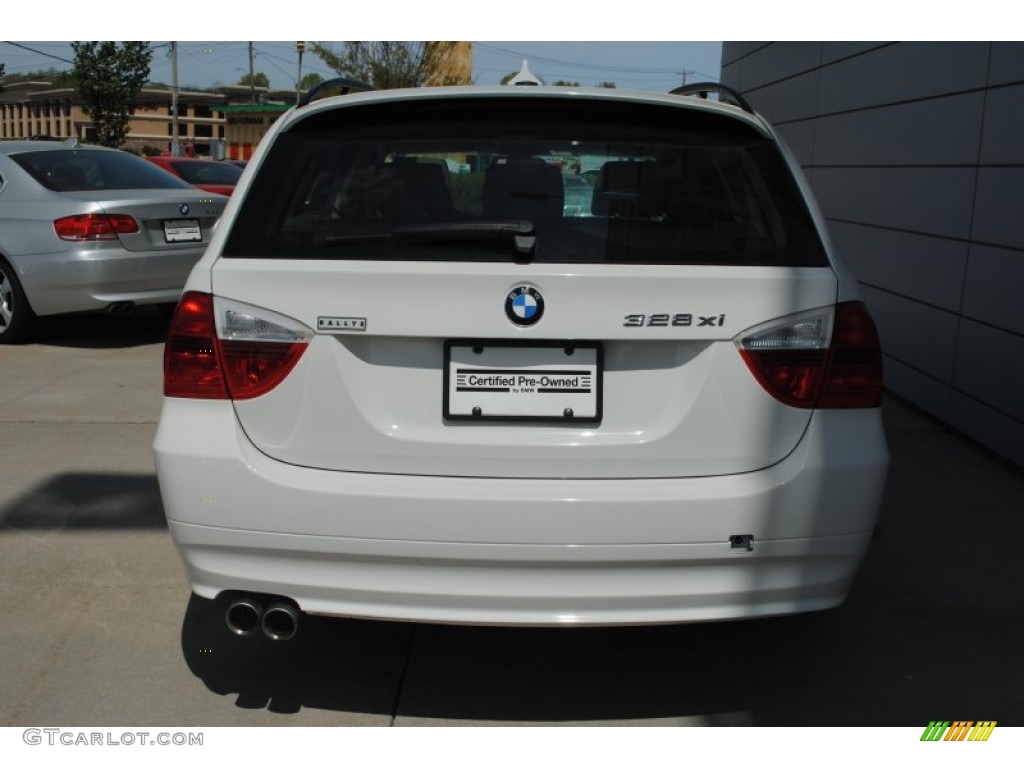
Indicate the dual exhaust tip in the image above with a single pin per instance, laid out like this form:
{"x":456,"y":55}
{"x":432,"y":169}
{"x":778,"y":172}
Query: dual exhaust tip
{"x":278,"y":621}
{"x":121,"y":308}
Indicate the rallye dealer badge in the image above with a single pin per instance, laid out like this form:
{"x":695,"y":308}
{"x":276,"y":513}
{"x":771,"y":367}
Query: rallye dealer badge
{"x":340,"y":324}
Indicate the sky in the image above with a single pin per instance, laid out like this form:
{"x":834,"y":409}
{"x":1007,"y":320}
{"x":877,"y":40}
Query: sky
{"x":655,"y":66}
{"x":632,"y":51}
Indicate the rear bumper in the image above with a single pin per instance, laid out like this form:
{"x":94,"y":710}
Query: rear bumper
{"x":92,"y":277}
{"x":513,"y":551}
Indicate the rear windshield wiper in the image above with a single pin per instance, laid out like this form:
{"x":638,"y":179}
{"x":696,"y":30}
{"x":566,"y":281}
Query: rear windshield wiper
{"x":518,"y":233}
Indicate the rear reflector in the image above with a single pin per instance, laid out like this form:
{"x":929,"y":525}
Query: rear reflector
{"x":220,"y":349}
{"x":95,"y":226}
{"x":828,"y":358}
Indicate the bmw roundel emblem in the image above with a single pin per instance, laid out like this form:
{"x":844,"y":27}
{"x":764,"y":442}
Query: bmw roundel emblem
{"x":184,"y":209}
{"x":524,"y":305}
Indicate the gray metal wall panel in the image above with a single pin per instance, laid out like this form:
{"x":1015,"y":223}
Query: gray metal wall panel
{"x":925,"y":391}
{"x":918,"y":335}
{"x":799,"y":137}
{"x":934,"y":201}
{"x":1003,"y":138}
{"x":730,"y":75}
{"x":992,"y":293}
{"x":1007,"y":64}
{"x":987,"y":426}
{"x":897,"y":261}
{"x":731,"y":51}
{"x":999,"y":207}
{"x":852,"y":138}
{"x":902,"y":72}
{"x":945,"y":167}
{"x":779,"y":61}
{"x":833,"y":51}
{"x":789,"y":100}
{"x":990,"y":367}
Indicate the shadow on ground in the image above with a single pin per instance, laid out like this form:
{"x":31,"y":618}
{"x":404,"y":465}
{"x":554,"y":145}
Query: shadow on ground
{"x":933,"y":630}
{"x":86,"y":500}
{"x":349,"y":666}
{"x":852,"y":666}
{"x":96,"y":330}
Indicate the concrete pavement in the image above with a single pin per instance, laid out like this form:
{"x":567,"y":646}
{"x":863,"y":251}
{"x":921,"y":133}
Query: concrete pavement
{"x":99,"y":628}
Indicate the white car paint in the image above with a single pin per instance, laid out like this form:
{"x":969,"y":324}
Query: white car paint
{"x":698,"y":495}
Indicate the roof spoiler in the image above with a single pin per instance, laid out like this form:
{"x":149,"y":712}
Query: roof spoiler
{"x":344,"y":85}
{"x":703,"y":91}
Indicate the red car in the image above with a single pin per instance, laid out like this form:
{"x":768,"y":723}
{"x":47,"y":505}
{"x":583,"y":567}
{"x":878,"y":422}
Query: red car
{"x":210,"y":175}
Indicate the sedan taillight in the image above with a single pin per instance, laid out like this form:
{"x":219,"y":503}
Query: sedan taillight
{"x":95,"y":226}
{"x":221,"y":349}
{"x":829,"y":358}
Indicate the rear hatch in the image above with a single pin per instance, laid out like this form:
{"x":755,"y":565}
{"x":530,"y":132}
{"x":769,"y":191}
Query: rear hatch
{"x":468,"y":322}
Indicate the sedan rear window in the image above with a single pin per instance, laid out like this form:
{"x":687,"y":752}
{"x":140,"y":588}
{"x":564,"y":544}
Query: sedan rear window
{"x":80,"y":170}
{"x":531,"y":180}
{"x":207,"y":172}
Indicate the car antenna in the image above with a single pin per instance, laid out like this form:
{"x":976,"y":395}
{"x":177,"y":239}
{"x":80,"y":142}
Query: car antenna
{"x":525,"y":77}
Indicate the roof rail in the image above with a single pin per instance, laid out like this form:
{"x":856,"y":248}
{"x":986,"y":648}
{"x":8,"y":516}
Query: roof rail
{"x":345,"y":85}
{"x":701,"y":90}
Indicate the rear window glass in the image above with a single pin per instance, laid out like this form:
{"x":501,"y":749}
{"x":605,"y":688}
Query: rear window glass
{"x":203,"y":172}
{"x":588,"y":181}
{"x":80,"y":170}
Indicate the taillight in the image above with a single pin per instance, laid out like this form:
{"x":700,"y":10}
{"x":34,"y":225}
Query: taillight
{"x":854,"y":376}
{"x":95,"y":226}
{"x":220,"y":349}
{"x":827,"y":358}
{"x":258,"y":348}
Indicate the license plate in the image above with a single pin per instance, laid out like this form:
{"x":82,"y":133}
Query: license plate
{"x":533,"y":381}
{"x":182,"y":231}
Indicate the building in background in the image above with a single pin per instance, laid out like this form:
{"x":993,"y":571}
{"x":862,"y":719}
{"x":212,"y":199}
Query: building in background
{"x":35,"y":108}
{"x":916,"y":154}
{"x":30,"y":109}
{"x":245,"y":126}
{"x":222,"y":122}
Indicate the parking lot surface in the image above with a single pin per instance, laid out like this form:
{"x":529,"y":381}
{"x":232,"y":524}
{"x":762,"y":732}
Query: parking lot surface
{"x":99,"y":627}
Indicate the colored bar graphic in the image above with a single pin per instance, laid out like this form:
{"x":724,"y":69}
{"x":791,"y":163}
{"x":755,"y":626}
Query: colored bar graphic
{"x":982,"y":730}
{"x":935,"y":730}
{"x":958,"y":730}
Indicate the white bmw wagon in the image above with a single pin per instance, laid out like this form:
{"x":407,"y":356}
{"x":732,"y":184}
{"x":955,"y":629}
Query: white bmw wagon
{"x":408,"y":381}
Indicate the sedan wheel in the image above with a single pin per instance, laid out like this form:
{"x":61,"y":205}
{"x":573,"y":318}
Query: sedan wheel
{"x":17,"y":320}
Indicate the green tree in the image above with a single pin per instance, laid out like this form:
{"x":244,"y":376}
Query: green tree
{"x":385,"y":64}
{"x":310,"y":80}
{"x":566,"y":82}
{"x":109,"y":77}
{"x":260,"y":80}
{"x":606,"y":84}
